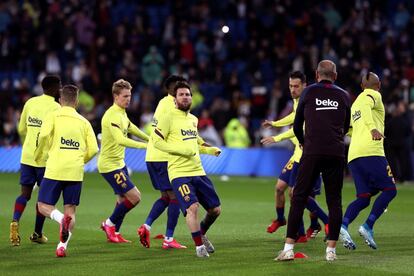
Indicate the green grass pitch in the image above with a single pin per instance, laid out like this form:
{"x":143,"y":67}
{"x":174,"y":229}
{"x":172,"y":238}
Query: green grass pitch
{"x":242,"y":245}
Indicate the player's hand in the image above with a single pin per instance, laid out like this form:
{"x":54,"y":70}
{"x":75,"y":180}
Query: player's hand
{"x":267,"y":141}
{"x":217,"y":151}
{"x":376,"y":135}
{"x":267,"y":124}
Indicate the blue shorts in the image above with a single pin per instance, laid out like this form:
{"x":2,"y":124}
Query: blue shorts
{"x":194,"y":189}
{"x":50,"y":191}
{"x":119,"y":181}
{"x":289,"y":174}
{"x":30,"y":175}
{"x":371,"y":175}
{"x":159,"y":175}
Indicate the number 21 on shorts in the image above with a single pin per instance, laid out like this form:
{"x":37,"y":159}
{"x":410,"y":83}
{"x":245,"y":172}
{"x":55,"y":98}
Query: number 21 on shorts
{"x":120,"y":178}
{"x":184,"y":190}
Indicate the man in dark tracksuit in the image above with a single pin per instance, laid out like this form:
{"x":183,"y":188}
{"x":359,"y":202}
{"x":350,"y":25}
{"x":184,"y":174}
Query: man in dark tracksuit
{"x":325,"y":109}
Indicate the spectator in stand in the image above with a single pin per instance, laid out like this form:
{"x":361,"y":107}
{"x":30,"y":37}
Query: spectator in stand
{"x":235,"y":135}
{"x":114,"y":39}
{"x":152,"y":67}
{"x":207,"y":130}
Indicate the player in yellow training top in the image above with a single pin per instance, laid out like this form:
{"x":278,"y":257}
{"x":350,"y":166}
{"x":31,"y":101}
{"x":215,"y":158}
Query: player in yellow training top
{"x":156,"y":161}
{"x":115,"y":129}
{"x":176,"y":133}
{"x":33,"y":115}
{"x":297,"y":82}
{"x":367,"y":162}
{"x":68,"y":141}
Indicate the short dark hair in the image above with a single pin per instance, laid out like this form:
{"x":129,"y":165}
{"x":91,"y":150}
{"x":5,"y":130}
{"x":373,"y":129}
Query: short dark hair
{"x":170,"y":82}
{"x":69,"y":94}
{"x":181,"y":84}
{"x":298,"y":75}
{"x":51,"y":85}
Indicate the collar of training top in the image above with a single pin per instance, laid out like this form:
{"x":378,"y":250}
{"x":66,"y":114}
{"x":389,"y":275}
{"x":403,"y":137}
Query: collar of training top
{"x":326,"y":81}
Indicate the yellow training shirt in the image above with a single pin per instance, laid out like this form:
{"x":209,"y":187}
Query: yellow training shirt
{"x":289,"y":134}
{"x":166,"y":105}
{"x":115,"y":128}
{"x":176,"y":133}
{"x":33,"y":115}
{"x":367,"y":113}
{"x":69,"y":141}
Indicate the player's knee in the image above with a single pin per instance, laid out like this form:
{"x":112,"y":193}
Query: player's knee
{"x":193,"y":209}
{"x":27,"y":193}
{"x":364,"y":200}
{"x":280,"y":188}
{"x":27,"y":196}
{"x":391,"y":193}
{"x":42,"y":208}
{"x":171,"y":195}
{"x":136,"y":199}
{"x":215,"y":212}
{"x":134,"y":196}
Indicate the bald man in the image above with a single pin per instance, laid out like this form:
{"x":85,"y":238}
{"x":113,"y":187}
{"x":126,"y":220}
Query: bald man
{"x":367,"y":162}
{"x":325,"y":110}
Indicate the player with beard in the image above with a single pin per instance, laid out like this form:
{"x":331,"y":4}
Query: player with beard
{"x":176,"y":133}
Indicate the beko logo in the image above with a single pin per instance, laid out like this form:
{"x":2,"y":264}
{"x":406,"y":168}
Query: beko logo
{"x":326,"y":104}
{"x":191,"y":133}
{"x":356,"y":115}
{"x":33,"y":121}
{"x":188,"y":132}
{"x":69,"y":144}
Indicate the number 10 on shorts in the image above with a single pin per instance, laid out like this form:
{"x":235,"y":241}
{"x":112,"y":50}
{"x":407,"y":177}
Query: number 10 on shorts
{"x":184,"y":190}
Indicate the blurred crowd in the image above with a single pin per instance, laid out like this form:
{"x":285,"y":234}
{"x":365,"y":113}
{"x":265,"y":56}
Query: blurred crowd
{"x":237,"y":55}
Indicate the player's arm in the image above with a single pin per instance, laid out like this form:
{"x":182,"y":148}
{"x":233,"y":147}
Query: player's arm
{"x":367,"y":105}
{"x":209,"y":150}
{"x":121,"y":140}
{"x":300,"y":119}
{"x":91,"y":144}
{"x":22,"y":128}
{"x":278,"y":138}
{"x":134,"y":130}
{"x":201,"y":142}
{"x":42,"y":143}
{"x":206,"y":148}
{"x":285,"y":121}
{"x":161,"y":133}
